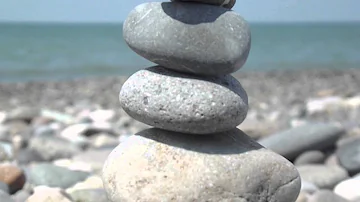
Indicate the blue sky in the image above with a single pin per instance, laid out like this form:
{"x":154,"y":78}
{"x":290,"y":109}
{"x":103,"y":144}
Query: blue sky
{"x":117,"y":10}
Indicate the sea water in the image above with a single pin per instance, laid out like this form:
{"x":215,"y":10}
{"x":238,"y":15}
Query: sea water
{"x":60,"y":51}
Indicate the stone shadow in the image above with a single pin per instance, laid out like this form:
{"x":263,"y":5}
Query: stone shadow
{"x":230,"y":142}
{"x":193,"y":13}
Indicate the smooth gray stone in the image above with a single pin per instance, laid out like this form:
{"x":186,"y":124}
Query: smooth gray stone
{"x":5,"y":197}
{"x":158,"y":165}
{"x":6,"y":151}
{"x":308,"y":187}
{"x":54,"y":176}
{"x":310,"y":157}
{"x":349,"y":156}
{"x":89,"y":195}
{"x":223,"y":3}
{"x":324,"y":177}
{"x":291,"y":143}
{"x":326,"y":196}
{"x":189,"y":37}
{"x":21,"y":196}
{"x":26,"y":156}
{"x":4,"y":187}
{"x":184,"y":103}
{"x":26,"y":114}
{"x":52,"y":148}
{"x":94,"y":157}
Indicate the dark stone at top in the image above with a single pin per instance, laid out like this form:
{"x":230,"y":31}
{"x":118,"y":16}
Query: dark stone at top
{"x":223,"y":3}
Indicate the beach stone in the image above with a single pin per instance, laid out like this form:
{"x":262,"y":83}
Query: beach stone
{"x":349,"y":156}
{"x":73,"y":165}
{"x":310,"y":157}
{"x":4,"y":187}
{"x":6,"y":151}
{"x":348,"y":189}
{"x":308,"y":187}
{"x":189,"y":37}
{"x":47,"y":194}
{"x":26,"y":156}
{"x":184,"y":103}
{"x":58,"y":116}
{"x":293,"y":142}
{"x":104,"y":140}
{"x":5,"y":197}
{"x":125,"y":121}
{"x":324,"y":177}
{"x":102,"y":115}
{"x":44,"y":131}
{"x":86,"y":129}
{"x":26,"y":114}
{"x":326,"y":196}
{"x":2,"y":117}
{"x":223,"y":3}
{"x":258,"y":129}
{"x":52,"y":148}
{"x":54,"y":176}
{"x":332,"y":160}
{"x":303,"y":197}
{"x":92,"y":182}
{"x":89,"y":195}
{"x":160,"y":165}
{"x":94,"y":157}
{"x":21,"y":196}
{"x":12,"y":176}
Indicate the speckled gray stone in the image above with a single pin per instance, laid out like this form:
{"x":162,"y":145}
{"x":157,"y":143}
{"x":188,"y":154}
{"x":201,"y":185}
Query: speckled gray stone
{"x":223,"y":3}
{"x":189,"y":37}
{"x":158,"y":165}
{"x":184,"y":103}
{"x":312,"y":136}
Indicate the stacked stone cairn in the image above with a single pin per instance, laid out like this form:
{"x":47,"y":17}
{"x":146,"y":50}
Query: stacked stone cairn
{"x":195,"y":151}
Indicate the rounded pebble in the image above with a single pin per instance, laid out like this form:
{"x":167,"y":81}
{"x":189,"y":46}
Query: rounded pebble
{"x":13,"y":176}
{"x":324,"y":177}
{"x":159,"y":165}
{"x":348,"y":189}
{"x":310,"y":157}
{"x":184,"y":103}
{"x":188,"y":37}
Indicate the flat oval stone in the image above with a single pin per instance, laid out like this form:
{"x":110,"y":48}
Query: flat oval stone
{"x":184,"y":103}
{"x":223,"y":3}
{"x":189,"y":37}
{"x":157,"y":165}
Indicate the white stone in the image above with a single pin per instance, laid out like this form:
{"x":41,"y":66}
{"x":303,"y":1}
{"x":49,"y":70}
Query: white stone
{"x":2,"y":117}
{"x":102,"y":115}
{"x":322,"y":104}
{"x":348,"y":189}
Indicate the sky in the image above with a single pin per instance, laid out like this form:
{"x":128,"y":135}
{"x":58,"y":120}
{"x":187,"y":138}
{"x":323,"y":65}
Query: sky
{"x":117,"y":10}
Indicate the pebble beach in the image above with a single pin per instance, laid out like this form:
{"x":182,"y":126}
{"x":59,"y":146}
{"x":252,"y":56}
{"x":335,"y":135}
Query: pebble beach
{"x":56,"y":135}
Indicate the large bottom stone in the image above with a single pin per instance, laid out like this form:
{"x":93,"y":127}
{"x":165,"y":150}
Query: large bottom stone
{"x":158,"y":165}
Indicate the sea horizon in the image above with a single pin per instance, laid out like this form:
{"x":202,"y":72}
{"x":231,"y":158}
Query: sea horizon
{"x":53,"y":50}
